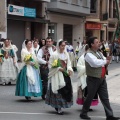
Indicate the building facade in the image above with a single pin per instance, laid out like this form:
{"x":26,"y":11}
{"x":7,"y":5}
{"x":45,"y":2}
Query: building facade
{"x":23,"y":19}
{"x":102,"y":20}
{"x":67,"y":19}
{"x":3,"y":19}
{"x":29,"y":19}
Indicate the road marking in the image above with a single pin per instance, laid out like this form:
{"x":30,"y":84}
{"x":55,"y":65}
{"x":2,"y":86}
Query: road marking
{"x":98,"y":117}
{"x":24,"y":113}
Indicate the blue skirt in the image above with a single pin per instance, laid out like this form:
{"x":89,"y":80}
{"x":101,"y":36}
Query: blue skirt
{"x":24,"y":88}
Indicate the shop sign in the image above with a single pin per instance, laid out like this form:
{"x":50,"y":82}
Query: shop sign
{"x":21,"y":11}
{"x":93,"y":26}
{"x":29,"y":12}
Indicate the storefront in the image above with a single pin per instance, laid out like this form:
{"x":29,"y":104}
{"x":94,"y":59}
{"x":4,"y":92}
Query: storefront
{"x":93,"y":29}
{"x":22,"y":23}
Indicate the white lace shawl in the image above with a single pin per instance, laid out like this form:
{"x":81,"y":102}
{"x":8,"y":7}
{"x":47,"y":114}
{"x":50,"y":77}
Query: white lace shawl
{"x":55,"y":76}
{"x":30,"y":73}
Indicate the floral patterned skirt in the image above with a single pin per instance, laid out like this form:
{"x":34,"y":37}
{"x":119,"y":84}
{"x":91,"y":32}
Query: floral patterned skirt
{"x":56,"y":100}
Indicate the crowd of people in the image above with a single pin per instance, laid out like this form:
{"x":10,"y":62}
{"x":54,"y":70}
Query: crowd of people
{"x":46,"y":71}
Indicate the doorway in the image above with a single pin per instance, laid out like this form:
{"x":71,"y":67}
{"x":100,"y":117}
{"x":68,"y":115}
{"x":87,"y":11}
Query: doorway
{"x":68,"y":33}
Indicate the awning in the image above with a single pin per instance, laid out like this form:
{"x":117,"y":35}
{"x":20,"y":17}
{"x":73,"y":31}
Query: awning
{"x":39,"y":20}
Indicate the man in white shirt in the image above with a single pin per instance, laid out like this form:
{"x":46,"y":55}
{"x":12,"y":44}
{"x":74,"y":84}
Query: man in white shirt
{"x":43,"y":57}
{"x":95,"y":70}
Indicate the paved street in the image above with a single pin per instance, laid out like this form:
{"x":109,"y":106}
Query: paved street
{"x":17,"y":108}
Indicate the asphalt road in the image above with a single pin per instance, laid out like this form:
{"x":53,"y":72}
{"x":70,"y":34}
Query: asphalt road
{"x":17,"y":108}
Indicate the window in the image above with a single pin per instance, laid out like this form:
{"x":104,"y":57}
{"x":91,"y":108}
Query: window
{"x":52,"y":31}
{"x":93,"y":7}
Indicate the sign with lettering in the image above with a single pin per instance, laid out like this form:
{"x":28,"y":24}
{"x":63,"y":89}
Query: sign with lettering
{"x":93,"y":26}
{"x":21,"y":11}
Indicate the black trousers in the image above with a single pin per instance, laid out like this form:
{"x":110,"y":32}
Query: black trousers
{"x":44,"y":77}
{"x":97,"y":85}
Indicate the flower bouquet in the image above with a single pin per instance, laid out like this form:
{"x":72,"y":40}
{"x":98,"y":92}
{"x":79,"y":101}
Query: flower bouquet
{"x":77,"y":51}
{"x":1,"y":58}
{"x":29,"y":59}
{"x":107,"y":49}
{"x":57,"y":63}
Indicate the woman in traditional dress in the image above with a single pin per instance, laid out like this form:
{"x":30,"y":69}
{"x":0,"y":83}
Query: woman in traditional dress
{"x":82,"y":85}
{"x":82,"y":50}
{"x":8,"y":71}
{"x":36,"y":47}
{"x":60,"y":94}
{"x":15,"y":49}
{"x":28,"y":81}
{"x":42,"y":43}
{"x":78,"y":47}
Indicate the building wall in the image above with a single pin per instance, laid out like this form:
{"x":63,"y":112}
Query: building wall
{"x":78,"y":26}
{"x":75,"y":7}
{"x":96,"y":33}
{"x":3,"y":22}
{"x":95,"y":15}
{"x":27,"y":30}
{"x":104,"y":15}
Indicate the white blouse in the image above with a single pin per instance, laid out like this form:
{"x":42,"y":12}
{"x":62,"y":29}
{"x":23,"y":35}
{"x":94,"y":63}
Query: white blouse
{"x":94,"y":61}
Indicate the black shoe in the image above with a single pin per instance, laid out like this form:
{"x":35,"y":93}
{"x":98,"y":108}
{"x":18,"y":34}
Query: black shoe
{"x":43,"y":97}
{"x":56,"y":109}
{"x":82,"y":116}
{"x":27,"y":98}
{"x":9,"y":83}
{"x":60,"y":113}
{"x":112,"y":118}
{"x":90,"y":109}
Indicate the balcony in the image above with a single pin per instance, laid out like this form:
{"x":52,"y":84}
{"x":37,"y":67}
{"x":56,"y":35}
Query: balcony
{"x":68,"y":7}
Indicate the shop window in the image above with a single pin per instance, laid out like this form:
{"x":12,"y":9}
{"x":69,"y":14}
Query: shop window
{"x":52,"y":31}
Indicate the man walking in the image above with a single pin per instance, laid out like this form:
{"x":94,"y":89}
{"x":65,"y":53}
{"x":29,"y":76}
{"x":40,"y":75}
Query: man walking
{"x":96,"y":83}
{"x":43,"y":58}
